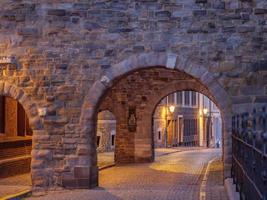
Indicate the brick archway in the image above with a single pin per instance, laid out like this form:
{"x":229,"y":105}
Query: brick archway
{"x":36,"y":124}
{"x":205,"y":79}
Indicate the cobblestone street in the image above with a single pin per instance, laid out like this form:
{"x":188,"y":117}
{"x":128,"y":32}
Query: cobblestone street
{"x":177,"y":175}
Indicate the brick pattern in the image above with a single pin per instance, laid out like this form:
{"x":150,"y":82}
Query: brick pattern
{"x":62,"y":50}
{"x":142,"y":90}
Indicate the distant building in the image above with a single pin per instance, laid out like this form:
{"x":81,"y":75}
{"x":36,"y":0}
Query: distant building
{"x":187,"y":125}
{"x":106,"y":131}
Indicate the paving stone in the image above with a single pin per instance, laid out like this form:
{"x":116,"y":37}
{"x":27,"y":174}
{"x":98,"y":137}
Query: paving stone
{"x":177,"y":175}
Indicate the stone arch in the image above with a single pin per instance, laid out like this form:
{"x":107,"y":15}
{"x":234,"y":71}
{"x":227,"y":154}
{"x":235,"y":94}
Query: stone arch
{"x":197,"y":87}
{"x":35,"y":122}
{"x":147,"y":60}
{"x":168,"y":61}
{"x":30,"y":108}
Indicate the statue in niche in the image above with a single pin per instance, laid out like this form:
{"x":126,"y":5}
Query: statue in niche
{"x":132,"y":119}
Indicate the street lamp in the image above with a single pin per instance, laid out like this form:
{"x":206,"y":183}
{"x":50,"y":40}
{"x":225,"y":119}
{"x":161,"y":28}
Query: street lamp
{"x":207,"y":115}
{"x":170,"y":108}
{"x":205,"y":111}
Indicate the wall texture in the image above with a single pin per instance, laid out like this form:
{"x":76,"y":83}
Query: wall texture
{"x":63,"y":48}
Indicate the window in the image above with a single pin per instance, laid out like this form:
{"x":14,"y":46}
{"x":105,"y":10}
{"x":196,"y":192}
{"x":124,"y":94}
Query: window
{"x":193,"y":98}
{"x":98,"y":140}
{"x":13,"y":119}
{"x":2,"y":114}
{"x":190,"y":127}
{"x":187,"y":98}
{"x":23,"y":122}
{"x":159,"y":135}
{"x":112,"y":140}
{"x":179,"y":97}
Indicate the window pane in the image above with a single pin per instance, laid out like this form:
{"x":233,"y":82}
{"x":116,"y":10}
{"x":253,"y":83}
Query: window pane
{"x":194,"y":98}
{"x":179,"y":96}
{"x":187,"y":98}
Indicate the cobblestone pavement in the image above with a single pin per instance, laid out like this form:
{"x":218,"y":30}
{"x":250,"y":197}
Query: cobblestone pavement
{"x":172,"y":176}
{"x":107,"y":158}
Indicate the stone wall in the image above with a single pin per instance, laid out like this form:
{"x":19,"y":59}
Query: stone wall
{"x":61,"y":50}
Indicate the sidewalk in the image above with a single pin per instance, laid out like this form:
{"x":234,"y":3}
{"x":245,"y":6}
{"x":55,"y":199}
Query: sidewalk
{"x":14,"y":185}
{"x":22,"y":183}
{"x":215,"y":182}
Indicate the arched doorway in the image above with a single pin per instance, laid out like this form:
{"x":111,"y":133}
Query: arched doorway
{"x":186,"y":118}
{"x":20,"y":126}
{"x":133,"y":91}
{"x":15,"y":145}
{"x":106,"y":133}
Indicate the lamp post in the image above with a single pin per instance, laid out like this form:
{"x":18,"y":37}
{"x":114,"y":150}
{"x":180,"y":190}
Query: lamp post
{"x":170,"y":108}
{"x":207,"y":123}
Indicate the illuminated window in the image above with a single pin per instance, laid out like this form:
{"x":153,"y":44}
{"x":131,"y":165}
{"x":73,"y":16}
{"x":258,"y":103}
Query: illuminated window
{"x":2,"y":114}
{"x":13,"y":119}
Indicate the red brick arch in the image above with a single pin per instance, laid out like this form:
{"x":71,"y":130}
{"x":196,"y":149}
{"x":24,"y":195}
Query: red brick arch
{"x":205,"y":83}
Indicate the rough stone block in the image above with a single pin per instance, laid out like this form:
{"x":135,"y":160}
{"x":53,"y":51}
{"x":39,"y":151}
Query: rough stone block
{"x":81,"y":172}
{"x":56,"y":12}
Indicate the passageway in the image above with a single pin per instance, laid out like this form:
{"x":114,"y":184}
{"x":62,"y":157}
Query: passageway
{"x":176,"y":175}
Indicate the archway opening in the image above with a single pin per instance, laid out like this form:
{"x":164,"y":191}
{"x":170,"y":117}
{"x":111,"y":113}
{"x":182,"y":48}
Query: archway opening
{"x":133,"y":97}
{"x":106,"y":133}
{"x":15,"y":147}
{"x":187,"y":118}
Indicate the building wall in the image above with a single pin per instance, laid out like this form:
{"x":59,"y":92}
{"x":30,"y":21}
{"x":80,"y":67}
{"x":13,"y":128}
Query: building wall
{"x":62,"y":49}
{"x":186,"y":113}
